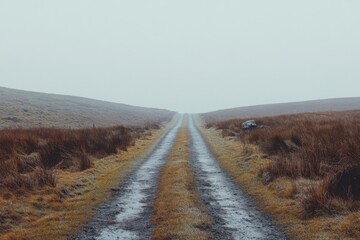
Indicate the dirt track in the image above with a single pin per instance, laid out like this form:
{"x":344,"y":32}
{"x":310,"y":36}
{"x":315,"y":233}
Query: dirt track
{"x":128,"y":214}
{"x":236,"y":216}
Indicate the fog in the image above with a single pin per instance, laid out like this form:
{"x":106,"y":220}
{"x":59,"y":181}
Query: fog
{"x":188,"y":56}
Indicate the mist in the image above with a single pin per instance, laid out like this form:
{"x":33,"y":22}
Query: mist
{"x":187,"y":56}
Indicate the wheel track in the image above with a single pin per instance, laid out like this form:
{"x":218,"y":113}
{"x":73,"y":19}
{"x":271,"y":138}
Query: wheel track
{"x":236,"y":217}
{"x":128,"y":214}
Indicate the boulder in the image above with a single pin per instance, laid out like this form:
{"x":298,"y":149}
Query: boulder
{"x":249,"y":124}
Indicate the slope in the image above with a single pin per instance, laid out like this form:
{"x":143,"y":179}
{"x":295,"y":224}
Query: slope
{"x":30,"y":109}
{"x":337,"y":104}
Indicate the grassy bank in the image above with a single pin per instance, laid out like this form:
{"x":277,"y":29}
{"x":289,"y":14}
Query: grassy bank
{"x":300,"y":170}
{"x":178,"y":213}
{"x":58,"y":211}
{"x":29,"y":157}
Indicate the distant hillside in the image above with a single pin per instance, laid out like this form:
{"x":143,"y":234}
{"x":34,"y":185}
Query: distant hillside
{"x":339,"y":104}
{"x":29,"y":109}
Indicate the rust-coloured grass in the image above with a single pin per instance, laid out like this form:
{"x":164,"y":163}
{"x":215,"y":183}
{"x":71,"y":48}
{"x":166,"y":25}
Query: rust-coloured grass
{"x":58,"y":212}
{"x":178,"y":211}
{"x":275,"y":167}
{"x":28,"y":157}
{"x":308,"y":145}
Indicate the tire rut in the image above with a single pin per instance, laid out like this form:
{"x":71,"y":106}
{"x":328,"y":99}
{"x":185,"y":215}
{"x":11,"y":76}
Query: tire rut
{"x":128,"y":214}
{"x":235,"y":215}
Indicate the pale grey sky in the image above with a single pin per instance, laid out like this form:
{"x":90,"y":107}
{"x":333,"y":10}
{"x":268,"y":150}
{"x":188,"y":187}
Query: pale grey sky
{"x":188,"y":56}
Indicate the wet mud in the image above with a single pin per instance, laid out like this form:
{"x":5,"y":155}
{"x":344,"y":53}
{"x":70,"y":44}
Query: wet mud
{"x":235,"y":215}
{"x":128,"y":214}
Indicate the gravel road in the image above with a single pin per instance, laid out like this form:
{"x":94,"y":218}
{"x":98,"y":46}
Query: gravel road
{"x":128,"y":214}
{"x":235,"y":215}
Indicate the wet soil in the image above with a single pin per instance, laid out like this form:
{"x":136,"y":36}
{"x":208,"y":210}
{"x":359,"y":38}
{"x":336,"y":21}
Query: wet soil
{"x":128,"y":214}
{"x":235,"y":215}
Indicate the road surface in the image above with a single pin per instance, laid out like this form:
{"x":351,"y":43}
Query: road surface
{"x":128,"y":214}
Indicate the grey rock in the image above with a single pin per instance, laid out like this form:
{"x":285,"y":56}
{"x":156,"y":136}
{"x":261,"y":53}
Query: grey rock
{"x":249,"y":124}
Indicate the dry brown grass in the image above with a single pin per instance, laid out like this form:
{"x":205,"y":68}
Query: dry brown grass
{"x":178,"y":213}
{"x":28,"y":157}
{"x":58,"y":212}
{"x":316,"y":146}
{"x":303,"y":170}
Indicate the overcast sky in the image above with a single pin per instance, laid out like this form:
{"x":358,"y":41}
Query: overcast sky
{"x":188,"y":55}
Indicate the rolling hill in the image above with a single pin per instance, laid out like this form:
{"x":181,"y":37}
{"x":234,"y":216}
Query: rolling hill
{"x":337,"y":104}
{"x":30,"y":109}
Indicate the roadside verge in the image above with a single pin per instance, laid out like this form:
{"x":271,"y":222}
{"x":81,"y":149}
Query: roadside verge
{"x":58,"y":213}
{"x":280,"y":199}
